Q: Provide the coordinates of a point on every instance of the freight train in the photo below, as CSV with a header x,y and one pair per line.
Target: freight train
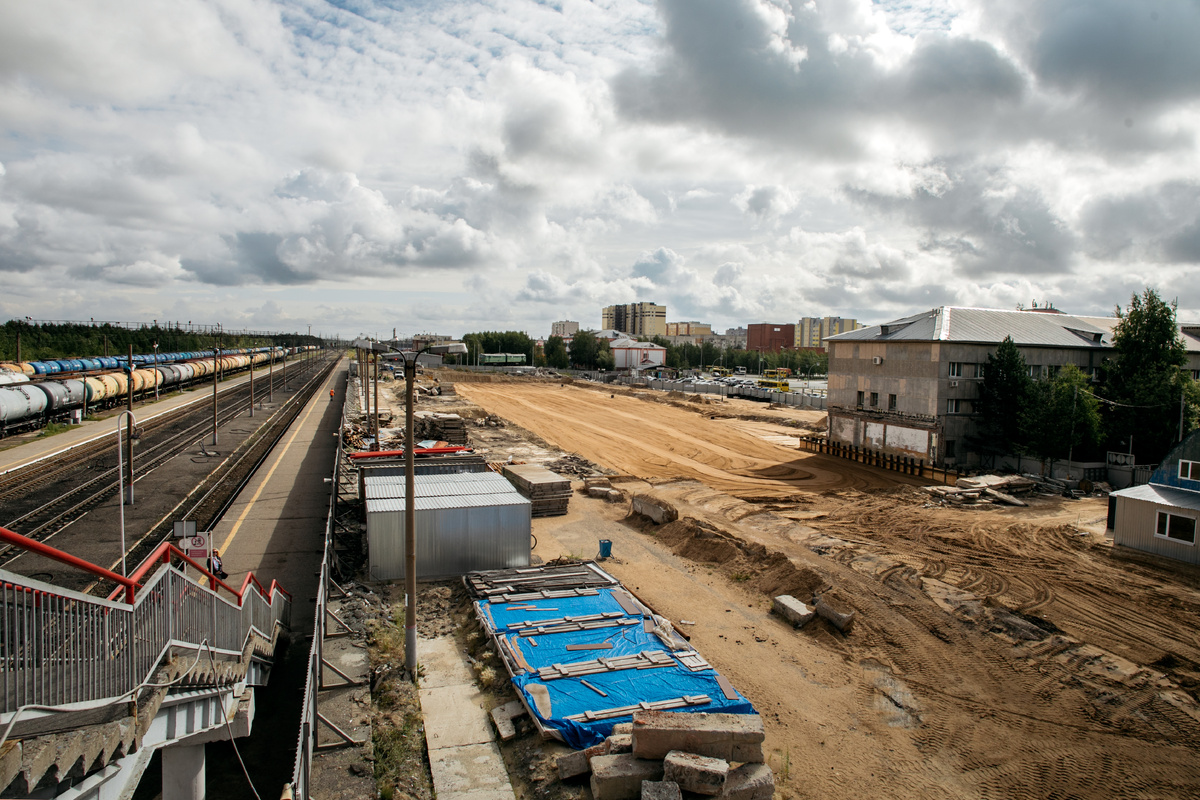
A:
x,y
33,393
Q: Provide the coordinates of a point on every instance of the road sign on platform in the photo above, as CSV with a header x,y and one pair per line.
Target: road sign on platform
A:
x,y
196,547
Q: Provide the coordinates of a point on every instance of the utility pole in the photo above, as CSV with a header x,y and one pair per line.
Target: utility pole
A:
x,y
216,362
271,375
19,347
128,499
252,355
376,445
1181,407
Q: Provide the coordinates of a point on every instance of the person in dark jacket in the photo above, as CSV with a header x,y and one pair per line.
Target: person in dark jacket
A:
x,y
216,566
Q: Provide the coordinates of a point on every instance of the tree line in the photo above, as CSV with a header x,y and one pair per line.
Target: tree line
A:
x,y
1143,400
41,342
587,351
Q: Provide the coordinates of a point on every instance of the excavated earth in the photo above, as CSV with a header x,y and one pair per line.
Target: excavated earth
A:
x,y
997,652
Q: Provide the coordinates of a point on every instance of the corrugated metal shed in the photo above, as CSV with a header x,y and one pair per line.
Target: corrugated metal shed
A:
x,y
463,524
1137,520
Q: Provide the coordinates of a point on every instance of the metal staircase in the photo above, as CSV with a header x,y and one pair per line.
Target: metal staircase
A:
x,y
91,687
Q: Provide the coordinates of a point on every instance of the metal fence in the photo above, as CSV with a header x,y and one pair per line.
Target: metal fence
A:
x,y
59,647
310,713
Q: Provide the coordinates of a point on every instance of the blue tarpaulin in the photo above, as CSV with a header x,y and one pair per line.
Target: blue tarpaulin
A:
x,y
541,630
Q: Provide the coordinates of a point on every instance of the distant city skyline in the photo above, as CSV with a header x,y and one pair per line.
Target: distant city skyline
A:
x,y
464,166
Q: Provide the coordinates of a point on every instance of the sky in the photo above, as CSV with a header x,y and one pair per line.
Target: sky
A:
x,y
443,166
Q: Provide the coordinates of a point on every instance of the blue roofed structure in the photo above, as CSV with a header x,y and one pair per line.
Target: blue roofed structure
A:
x,y
1162,516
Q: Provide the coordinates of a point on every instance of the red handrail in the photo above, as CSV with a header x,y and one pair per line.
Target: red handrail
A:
x,y
417,451
128,585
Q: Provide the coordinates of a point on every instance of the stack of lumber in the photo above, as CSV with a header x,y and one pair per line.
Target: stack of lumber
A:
x,y
550,493
443,427
448,390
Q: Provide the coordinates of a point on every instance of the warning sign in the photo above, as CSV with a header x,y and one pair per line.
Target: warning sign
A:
x,y
196,547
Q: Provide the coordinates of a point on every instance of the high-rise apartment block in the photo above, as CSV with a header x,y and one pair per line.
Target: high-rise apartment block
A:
x,y
813,331
566,328
636,319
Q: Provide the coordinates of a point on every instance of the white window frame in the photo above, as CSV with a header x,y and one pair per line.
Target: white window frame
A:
x,y
1189,470
956,369
1158,519
953,405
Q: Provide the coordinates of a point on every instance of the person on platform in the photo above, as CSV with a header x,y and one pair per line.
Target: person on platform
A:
x,y
216,566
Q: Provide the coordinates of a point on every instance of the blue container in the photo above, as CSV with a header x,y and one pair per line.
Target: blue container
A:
x,y
606,548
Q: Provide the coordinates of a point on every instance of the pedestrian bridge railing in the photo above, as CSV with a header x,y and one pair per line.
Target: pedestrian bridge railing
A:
x,y
63,650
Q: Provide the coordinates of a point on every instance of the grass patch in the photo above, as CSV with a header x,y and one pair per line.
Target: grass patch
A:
x,y
54,428
739,577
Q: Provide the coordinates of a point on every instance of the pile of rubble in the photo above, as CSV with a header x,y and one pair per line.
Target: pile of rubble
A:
x,y
490,421
549,492
442,427
984,489
571,464
662,754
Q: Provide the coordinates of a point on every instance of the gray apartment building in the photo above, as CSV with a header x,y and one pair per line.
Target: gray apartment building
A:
x,y
908,387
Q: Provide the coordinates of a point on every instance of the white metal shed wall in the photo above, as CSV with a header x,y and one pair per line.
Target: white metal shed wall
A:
x,y
1137,520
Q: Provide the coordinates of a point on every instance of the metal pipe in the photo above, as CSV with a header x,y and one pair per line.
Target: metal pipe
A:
x,y
376,445
121,479
252,382
128,443
216,359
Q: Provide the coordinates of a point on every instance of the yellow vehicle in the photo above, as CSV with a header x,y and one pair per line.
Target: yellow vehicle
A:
x,y
777,374
772,383
719,372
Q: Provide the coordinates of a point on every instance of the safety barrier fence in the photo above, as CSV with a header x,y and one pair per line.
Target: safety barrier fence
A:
x,y
310,713
61,648
877,458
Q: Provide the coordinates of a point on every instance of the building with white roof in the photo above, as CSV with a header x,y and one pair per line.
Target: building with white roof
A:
x,y
628,354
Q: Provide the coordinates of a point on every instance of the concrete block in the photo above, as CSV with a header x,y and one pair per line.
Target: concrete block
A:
x,y
622,727
661,790
693,773
656,733
615,496
503,716
792,610
749,782
598,491
620,777
747,751
620,743
578,763
839,614
659,511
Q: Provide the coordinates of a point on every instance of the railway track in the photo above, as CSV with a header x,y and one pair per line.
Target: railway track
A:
x,y
44,499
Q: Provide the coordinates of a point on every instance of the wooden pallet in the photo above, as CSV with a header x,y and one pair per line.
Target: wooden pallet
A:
x,y
648,659
623,711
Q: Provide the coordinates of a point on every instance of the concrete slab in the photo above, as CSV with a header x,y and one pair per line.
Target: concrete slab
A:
x,y
443,663
470,771
454,717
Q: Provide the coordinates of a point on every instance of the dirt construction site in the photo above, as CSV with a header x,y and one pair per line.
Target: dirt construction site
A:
x,y
996,651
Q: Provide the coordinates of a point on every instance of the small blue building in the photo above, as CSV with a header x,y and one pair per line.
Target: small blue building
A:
x,y
1162,516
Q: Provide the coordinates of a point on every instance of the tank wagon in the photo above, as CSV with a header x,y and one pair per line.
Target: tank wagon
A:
x,y
33,393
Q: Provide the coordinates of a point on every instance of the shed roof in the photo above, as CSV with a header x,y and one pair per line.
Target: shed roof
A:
x,y
1163,495
991,325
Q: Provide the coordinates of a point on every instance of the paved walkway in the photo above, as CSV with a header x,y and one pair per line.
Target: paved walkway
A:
x,y
463,755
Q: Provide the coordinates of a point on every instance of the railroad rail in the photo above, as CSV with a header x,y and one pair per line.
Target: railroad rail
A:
x,y
93,472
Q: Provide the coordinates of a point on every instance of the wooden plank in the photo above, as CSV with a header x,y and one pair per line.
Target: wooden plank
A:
x,y
595,646
595,689
726,688
626,601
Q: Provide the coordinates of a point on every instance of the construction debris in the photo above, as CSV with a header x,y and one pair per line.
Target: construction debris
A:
x,y
550,493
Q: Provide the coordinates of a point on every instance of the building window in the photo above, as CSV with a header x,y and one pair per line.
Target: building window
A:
x,y
1189,470
1177,527
948,452
1035,371
979,368
891,402
1196,374
954,406
874,399
956,369
860,399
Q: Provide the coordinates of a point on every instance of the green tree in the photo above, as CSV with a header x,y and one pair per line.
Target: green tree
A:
x,y
584,349
556,353
1003,394
1061,416
1146,380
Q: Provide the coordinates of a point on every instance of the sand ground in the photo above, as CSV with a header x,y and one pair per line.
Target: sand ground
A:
x,y
996,652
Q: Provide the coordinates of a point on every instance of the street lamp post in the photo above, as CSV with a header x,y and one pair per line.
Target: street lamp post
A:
x,y
158,379
410,491
122,499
